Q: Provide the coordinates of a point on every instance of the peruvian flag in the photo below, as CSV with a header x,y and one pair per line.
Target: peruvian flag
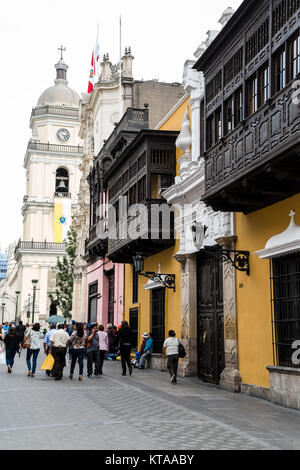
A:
x,y
92,75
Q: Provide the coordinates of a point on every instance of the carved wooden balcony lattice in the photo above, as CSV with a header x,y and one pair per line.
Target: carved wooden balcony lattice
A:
x,y
271,135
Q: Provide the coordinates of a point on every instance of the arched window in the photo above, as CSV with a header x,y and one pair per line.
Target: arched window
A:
x,y
53,309
62,181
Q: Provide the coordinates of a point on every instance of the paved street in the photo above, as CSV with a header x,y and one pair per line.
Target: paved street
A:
x,y
140,412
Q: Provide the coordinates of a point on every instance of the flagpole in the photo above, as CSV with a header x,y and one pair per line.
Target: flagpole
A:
x,y
97,53
120,84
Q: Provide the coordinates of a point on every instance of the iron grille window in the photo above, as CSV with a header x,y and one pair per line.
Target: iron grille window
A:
x,y
283,12
285,284
158,319
257,41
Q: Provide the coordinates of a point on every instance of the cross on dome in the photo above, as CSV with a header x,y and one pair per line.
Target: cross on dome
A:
x,y
292,213
61,49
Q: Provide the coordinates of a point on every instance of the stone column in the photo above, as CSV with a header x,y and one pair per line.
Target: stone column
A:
x,y
230,377
188,365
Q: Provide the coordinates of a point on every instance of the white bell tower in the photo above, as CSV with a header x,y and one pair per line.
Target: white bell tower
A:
x,y
52,160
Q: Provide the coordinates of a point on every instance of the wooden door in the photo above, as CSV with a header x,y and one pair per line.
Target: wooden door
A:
x,y
210,318
158,318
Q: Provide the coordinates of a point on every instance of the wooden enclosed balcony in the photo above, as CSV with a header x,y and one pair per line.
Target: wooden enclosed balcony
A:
x,y
258,163
149,231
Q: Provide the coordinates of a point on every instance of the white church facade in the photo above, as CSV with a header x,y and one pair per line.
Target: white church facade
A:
x,y
52,163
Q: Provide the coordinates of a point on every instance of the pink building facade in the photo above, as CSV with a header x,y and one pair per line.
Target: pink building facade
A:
x,y
105,287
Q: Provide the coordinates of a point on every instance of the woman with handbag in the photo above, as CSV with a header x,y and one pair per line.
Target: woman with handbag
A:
x,y
78,341
33,348
12,345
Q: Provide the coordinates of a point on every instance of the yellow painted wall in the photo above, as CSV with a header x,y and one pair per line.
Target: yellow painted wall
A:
x,y
253,298
168,266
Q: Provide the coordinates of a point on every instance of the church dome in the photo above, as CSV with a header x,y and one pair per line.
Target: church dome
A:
x,y
60,94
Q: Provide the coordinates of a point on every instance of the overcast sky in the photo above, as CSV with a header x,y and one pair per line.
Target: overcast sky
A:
x,y
162,35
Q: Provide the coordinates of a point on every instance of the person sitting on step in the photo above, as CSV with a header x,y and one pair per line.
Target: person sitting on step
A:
x,y
147,351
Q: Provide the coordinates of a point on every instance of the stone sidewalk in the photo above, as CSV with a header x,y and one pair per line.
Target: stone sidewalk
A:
x,y
143,411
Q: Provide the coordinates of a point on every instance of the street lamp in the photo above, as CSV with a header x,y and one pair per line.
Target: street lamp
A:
x,y
167,280
17,299
3,305
34,283
28,309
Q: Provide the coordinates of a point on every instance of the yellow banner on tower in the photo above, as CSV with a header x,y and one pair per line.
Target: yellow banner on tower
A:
x,y
62,219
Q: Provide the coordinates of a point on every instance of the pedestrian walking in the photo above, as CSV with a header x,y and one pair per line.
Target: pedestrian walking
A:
x,y
170,349
12,345
71,329
86,329
103,345
58,348
47,344
20,329
34,337
148,350
93,351
78,342
125,336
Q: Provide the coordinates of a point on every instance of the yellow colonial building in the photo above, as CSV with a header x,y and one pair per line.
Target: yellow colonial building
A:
x,y
251,129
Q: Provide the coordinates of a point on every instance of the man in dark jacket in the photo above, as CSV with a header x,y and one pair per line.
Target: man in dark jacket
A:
x,y
20,330
125,335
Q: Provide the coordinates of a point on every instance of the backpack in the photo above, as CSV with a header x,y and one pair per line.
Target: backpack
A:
x,y
181,350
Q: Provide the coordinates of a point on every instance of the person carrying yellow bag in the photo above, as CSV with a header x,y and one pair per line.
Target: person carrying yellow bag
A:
x,y
48,363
